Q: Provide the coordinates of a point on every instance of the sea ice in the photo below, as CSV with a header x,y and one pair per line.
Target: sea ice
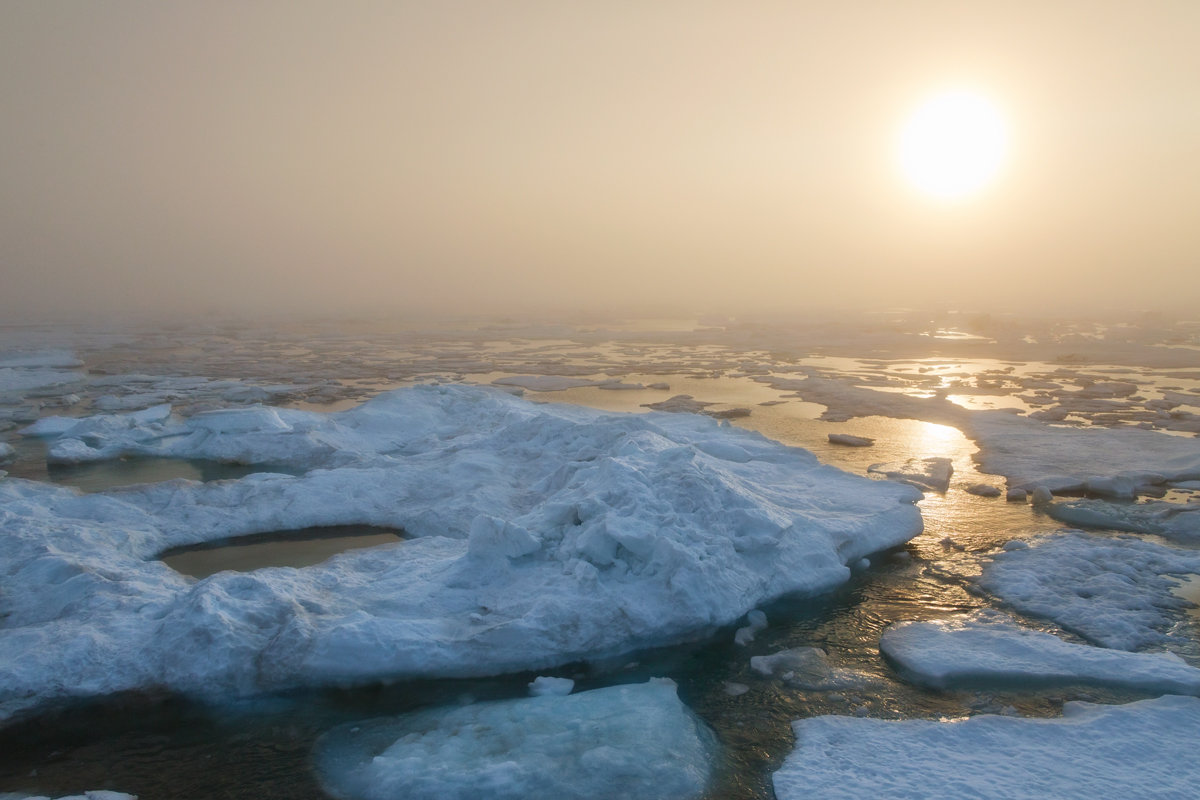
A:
x,y
544,685
850,440
1171,520
540,534
805,668
924,473
1138,750
1112,591
543,383
991,649
1031,454
634,741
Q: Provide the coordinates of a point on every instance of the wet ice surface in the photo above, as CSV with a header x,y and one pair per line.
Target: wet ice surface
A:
x,y
922,389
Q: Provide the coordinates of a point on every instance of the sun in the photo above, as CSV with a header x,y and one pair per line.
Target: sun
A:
x,y
953,145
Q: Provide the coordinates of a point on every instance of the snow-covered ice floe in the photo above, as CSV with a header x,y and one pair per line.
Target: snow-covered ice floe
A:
x,y
1108,461
630,742
541,534
1112,591
1144,750
990,649
1171,520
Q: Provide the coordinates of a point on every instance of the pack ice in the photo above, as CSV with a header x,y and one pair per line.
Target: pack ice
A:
x,y
1091,751
541,534
622,742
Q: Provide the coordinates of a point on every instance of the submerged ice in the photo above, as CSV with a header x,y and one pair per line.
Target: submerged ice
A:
x,y
622,742
541,534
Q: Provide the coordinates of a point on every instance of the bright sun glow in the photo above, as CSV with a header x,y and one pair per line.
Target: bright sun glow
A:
x,y
953,144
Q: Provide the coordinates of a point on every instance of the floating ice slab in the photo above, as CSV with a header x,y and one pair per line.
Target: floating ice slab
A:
x,y
991,649
924,473
850,440
1143,750
627,742
1112,591
541,534
1172,520
1032,454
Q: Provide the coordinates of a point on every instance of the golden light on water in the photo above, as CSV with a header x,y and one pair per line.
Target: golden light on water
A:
x,y
954,144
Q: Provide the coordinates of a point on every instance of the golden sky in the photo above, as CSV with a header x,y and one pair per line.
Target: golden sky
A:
x,y
604,155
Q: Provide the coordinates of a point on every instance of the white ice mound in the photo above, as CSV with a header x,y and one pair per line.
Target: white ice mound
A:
x,y
991,649
636,741
1144,750
541,534
1112,591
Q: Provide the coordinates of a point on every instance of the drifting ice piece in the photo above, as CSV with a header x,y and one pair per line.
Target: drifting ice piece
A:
x,y
924,473
992,649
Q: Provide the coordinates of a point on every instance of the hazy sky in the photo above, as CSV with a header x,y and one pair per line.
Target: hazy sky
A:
x,y
489,155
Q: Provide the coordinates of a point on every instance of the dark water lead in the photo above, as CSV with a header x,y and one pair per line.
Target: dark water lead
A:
x,y
295,548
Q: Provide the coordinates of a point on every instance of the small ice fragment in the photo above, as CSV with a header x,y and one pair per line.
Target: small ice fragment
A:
x,y
1042,496
735,689
850,440
544,685
983,490
1016,496
756,620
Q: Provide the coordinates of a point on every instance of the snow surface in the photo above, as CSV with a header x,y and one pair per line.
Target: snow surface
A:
x,y
1112,591
635,741
1144,750
541,534
991,648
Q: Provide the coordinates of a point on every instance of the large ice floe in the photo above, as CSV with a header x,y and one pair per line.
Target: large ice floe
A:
x,y
1137,750
1112,591
622,742
990,649
540,534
